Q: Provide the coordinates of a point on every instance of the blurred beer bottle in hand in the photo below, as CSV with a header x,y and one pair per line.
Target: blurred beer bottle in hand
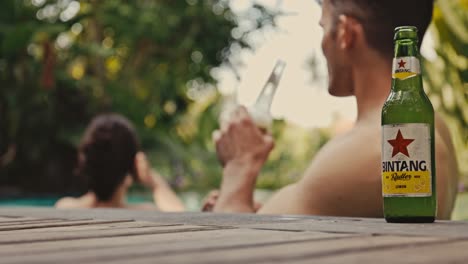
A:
x,y
260,110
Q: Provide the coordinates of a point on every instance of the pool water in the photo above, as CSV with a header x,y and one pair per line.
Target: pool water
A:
x,y
192,200
50,201
45,201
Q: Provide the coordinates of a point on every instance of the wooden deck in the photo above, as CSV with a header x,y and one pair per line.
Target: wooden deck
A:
x,y
40,235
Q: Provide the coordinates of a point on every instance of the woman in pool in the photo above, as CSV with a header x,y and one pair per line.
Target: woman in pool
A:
x,y
109,156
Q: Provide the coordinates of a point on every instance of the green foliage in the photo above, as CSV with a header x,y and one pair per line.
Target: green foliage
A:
x,y
447,76
63,61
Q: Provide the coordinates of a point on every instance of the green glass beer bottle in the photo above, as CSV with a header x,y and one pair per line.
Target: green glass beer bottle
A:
x,y
408,165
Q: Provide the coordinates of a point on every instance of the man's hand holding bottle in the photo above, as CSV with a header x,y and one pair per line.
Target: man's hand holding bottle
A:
x,y
243,144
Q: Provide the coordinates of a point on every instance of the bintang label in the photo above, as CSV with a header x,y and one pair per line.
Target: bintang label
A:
x,y
405,67
406,160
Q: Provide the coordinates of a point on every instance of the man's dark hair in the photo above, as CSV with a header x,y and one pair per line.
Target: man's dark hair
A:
x,y
380,17
108,148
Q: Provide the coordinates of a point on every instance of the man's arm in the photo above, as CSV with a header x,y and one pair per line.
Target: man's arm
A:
x,y
242,149
164,197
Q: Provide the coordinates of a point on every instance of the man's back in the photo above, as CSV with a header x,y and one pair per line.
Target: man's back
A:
x,y
446,169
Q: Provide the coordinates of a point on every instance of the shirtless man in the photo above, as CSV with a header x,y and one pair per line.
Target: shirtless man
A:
x,y
344,179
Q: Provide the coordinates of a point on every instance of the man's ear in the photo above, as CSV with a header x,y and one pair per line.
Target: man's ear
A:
x,y
349,32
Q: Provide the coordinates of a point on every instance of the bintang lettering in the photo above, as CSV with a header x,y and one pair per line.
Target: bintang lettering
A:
x,y
403,165
402,70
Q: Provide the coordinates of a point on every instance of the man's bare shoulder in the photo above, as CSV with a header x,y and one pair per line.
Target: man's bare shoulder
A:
x,y
360,143
444,144
443,131
446,169
344,177
85,201
70,202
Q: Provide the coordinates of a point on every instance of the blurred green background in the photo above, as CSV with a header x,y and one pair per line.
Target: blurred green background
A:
x,y
63,61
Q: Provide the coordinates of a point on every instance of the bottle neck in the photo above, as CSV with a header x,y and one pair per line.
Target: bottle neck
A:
x,y
406,70
265,98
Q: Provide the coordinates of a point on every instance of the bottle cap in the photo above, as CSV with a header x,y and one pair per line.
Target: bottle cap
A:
x,y
406,32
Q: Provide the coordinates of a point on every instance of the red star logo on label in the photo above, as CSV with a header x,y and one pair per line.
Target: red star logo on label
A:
x,y
401,63
400,144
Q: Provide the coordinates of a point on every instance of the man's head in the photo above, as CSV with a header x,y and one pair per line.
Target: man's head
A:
x,y
352,27
107,153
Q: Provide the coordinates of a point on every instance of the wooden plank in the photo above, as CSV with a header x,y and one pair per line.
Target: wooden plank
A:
x,y
29,237
32,221
9,218
110,242
278,253
62,223
18,219
93,225
55,222
155,245
454,252
453,229
231,237
192,218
